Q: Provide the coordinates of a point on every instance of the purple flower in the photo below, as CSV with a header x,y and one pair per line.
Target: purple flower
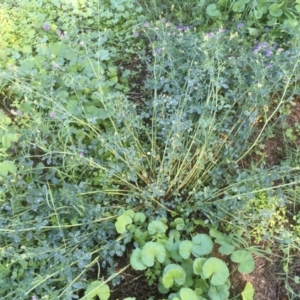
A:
x,y
268,66
81,154
240,25
33,298
52,114
268,52
136,33
46,27
147,24
168,24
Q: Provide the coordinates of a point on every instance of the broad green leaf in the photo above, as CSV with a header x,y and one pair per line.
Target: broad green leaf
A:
x,y
222,239
8,138
97,288
157,226
203,244
248,292
129,298
139,217
213,11
245,259
238,6
173,249
153,250
220,292
104,54
187,294
6,167
201,286
173,274
122,222
275,10
198,265
215,269
185,248
179,222
140,237
136,260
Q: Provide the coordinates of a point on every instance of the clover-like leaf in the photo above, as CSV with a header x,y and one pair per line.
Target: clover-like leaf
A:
x,y
203,244
198,265
245,259
153,250
248,292
136,260
215,269
157,226
238,6
97,288
185,248
122,222
213,11
187,294
173,274
275,10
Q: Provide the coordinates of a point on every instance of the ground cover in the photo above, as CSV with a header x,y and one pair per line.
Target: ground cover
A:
x,y
148,152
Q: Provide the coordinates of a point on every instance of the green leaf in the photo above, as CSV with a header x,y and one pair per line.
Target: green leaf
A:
x,y
104,54
203,244
238,6
122,222
187,294
198,265
248,292
139,217
97,288
185,248
275,10
140,237
136,260
212,10
153,250
8,138
220,292
157,226
179,222
6,167
225,242
245,259
215,269
173,274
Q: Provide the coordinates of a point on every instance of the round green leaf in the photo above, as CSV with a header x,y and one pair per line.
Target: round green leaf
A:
x,y
97,288
179,224
220,292
153,250
215,269
198,265
248,292
238,6
275,10
157,226
122,222
139,217
185,249
173,274
245,259
213,11
136,261
203,244
187,294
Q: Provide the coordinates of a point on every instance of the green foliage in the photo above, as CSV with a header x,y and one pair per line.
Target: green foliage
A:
x,y
172,262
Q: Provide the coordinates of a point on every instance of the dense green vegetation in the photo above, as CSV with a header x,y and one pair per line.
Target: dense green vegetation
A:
x,y
135,136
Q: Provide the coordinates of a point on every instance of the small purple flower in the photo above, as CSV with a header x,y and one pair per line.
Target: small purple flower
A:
x,y
268,66
168,24
136,33
240,25
54,66
147,24
46,27
33,298
81,154
52,114
268,52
